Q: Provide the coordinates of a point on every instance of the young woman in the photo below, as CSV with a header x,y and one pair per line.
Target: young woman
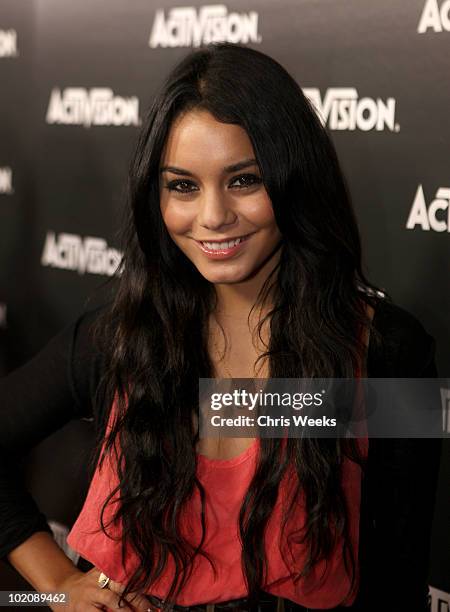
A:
x,y
241,259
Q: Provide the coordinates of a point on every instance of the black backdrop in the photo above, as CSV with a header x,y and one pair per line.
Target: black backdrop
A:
x,y
75,79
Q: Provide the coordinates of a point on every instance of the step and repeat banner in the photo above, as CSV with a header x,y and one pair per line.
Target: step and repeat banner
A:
x,y
76,78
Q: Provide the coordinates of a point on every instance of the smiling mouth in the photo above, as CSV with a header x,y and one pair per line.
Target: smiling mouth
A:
x,y
215,245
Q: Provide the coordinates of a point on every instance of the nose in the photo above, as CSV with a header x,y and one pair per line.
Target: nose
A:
x,y
214,211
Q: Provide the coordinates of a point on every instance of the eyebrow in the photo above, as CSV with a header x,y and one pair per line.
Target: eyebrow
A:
x,y
245,163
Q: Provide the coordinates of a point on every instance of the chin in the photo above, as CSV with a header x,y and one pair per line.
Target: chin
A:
x,y
224,279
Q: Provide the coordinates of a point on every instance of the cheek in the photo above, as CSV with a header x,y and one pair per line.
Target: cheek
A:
x,y
178,219
260,212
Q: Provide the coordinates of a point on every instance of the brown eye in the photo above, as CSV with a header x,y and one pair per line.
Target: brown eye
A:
x,y
180,186
247,180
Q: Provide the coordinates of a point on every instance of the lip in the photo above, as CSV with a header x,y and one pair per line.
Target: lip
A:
x,y
223,253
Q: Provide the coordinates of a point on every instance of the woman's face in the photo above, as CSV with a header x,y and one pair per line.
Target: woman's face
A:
x,y
213,201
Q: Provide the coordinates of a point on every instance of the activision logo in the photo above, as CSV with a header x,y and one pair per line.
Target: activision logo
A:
x,y
72,252
427,218
6,186
433,17
8,43
185,27
440,600
340,109
97,106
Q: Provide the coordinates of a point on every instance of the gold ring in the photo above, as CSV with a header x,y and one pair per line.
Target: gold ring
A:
x,y
103,580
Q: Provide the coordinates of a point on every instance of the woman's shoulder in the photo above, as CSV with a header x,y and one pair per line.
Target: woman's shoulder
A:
x,y
400,346
390,318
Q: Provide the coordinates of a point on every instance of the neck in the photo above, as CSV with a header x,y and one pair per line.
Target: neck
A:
x,y
235,300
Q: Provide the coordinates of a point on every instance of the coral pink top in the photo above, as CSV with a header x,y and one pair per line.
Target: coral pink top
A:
x,y
225,482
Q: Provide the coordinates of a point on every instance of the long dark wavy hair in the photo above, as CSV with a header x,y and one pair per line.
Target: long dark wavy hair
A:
x,y
155,331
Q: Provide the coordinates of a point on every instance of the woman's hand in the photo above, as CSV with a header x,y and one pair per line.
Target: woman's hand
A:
x,y
85,595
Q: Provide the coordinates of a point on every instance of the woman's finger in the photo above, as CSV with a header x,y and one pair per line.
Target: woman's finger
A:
x,y
110,600
136,601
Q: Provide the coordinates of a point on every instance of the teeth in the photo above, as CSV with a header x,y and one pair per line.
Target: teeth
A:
x,y
220,246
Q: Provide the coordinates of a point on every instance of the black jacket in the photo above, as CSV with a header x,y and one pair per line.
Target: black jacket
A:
x,y
398,492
